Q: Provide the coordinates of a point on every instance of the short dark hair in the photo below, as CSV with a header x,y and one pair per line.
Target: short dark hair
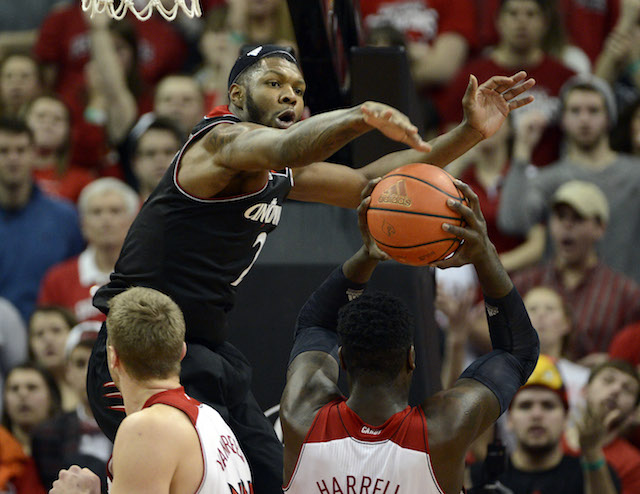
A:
x,y
622,366
15,126
160,123
376,332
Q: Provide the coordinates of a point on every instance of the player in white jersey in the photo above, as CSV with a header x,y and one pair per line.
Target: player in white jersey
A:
x,y
373,441
168,442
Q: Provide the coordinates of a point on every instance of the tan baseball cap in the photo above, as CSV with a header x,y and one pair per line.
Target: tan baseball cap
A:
x,y
586,198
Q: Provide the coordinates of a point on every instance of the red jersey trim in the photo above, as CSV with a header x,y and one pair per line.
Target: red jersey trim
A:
x,y
176,398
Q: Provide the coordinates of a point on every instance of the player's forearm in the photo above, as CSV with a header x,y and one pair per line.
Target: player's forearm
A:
x,y
318,137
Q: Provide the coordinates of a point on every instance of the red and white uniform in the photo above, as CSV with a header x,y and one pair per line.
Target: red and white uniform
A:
x,y
72,284
341,453
226,470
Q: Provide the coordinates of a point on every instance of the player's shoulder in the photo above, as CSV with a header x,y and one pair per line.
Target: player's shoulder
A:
x,y
152,423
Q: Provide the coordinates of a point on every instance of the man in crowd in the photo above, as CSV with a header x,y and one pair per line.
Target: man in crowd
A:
x,y
374,439
36,231
579,218
588,112
107,207
537,418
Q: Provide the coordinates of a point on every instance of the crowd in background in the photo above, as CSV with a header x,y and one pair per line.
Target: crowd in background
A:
x,y
92,112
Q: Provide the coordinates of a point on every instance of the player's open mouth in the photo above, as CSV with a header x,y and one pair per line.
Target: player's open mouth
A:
x,y
285,119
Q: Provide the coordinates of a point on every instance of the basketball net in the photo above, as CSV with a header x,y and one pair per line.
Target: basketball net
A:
x,y
100,6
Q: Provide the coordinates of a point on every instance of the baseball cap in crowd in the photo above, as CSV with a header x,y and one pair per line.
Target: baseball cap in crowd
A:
x,y
626,345
546,375
255,54
85,332
586,198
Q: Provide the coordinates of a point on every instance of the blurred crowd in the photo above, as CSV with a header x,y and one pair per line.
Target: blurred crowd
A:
x,y
92,112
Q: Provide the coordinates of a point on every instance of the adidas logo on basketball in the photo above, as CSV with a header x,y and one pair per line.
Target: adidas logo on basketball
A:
x,y
396,194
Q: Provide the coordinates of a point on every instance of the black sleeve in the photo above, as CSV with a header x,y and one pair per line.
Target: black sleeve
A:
x,y
318,318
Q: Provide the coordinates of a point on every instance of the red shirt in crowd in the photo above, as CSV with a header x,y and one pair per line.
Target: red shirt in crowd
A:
x,y
72,284
625,460
550,74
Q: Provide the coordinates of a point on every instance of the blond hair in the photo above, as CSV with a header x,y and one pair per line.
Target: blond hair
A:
x,y
146,328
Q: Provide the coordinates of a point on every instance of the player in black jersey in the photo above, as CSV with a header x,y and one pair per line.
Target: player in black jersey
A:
x,y
201,230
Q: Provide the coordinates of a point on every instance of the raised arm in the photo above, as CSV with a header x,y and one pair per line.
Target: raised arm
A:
x,y
312,375
459,415
485,109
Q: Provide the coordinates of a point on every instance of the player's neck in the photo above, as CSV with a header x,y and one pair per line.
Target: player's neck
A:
x,y
136,393
528,461
375,403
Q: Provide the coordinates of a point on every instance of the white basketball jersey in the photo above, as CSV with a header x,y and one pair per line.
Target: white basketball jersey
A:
x,y
226,470
343,454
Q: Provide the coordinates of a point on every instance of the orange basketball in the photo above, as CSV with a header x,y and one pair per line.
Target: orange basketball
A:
x,y
407,210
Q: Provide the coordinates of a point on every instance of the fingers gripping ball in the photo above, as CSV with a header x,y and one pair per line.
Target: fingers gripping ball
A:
x,y
407,210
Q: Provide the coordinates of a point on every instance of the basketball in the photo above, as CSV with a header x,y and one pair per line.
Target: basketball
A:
x,y
407,210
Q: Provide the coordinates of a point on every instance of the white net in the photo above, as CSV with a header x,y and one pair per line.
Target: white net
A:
x,y
118,9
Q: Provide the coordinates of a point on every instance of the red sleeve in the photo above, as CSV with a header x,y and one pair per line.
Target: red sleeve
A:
x,y
457,16
47,294
626,344
48,47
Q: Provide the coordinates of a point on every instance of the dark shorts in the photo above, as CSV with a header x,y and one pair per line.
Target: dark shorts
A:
x,y
221,379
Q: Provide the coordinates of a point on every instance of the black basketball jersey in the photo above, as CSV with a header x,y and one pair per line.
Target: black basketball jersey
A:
x,y
197,250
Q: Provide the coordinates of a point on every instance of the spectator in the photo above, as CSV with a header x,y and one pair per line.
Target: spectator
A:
x,y
31,396
13,343
154,150
522,25
619,61
49,328
486,165
599,16
73,438
179,97
537,417
36,231
50,122
219,47
613,393
107,208
63,45
602,300
20,82
552,318
588,113
626,345
262,22
17,470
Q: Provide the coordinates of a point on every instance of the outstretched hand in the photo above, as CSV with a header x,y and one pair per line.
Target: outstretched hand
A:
x,y
393,124
476,245
486,106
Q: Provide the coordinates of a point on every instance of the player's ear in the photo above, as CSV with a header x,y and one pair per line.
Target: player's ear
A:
x,y
183,352
411,358
237,95
113,360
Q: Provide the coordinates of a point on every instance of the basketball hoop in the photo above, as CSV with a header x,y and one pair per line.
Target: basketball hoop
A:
x,y
190,7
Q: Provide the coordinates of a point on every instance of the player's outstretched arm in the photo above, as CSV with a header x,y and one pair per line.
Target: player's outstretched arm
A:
x,y
459,415
312,375
485,109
